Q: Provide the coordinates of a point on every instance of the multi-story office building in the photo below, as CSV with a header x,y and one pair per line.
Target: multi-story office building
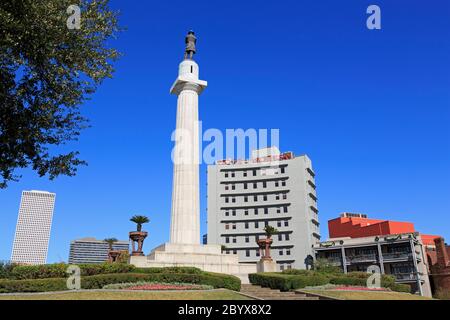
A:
x,y
91,250
272,189
33,227
357,242
401,255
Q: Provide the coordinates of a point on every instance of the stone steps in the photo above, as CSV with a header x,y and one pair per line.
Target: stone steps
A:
x,y
272,294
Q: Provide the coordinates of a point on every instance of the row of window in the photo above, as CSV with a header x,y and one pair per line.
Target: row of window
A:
x,y
254,172
264,197
281,252
256,211
276,184
256,238
280,223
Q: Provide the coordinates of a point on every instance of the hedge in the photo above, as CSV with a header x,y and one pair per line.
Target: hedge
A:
x,y
99,281
58,270
286,281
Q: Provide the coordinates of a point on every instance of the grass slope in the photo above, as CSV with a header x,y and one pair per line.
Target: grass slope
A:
x,y
366,295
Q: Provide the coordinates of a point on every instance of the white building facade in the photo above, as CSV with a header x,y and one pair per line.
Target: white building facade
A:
x,y
33,227
269,189
91,250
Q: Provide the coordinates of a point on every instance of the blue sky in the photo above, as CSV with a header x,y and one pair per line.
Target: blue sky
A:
x,y
370,108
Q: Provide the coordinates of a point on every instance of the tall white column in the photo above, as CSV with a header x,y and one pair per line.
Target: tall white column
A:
x,y
185,215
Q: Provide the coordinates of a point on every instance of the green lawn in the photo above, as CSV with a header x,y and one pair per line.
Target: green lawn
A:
x,y
366,295
137,295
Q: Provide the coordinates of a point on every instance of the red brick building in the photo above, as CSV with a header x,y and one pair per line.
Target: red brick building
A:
x,y
438,259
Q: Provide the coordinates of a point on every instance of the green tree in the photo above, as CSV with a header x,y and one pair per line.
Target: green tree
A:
x,y
324,266
139,220
270,231
110,242
47,71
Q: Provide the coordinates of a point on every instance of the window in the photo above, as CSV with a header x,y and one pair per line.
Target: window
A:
x,y
234,251
246,225
277,184
280,252
227,213
254,172
226,174
281,267
234,240
283,183
257,252
227,240
285,209
266,210
233,199
277,197
279,224
264,184
233,187
255,198
278,210
265,198
226,187
286,223
255,185
286,236
226,200
227,226
247,253
245,185
234,226
256,211
282,169
192,69
245,199
247,239
280,237
266,223
256,224
246,212
232,175
288,253
284,196
234,213
245,174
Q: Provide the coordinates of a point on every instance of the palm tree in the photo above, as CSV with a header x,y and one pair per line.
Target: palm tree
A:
x,y
139,220
110,242
270,231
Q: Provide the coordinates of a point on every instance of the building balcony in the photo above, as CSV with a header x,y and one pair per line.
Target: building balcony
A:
x,y
362,258
398,256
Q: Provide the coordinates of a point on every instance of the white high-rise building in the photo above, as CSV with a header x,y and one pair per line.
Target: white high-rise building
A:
x,y
33,227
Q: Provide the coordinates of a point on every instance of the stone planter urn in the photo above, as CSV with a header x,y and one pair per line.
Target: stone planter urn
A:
x,y
264,248
113,255
137,237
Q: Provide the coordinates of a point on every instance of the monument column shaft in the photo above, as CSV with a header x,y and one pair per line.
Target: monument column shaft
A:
x,y
185,224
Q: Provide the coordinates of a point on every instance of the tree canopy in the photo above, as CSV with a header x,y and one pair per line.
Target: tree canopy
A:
x,y
47,71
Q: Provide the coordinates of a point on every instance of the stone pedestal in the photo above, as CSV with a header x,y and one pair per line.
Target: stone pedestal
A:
x,y
205,257
266,265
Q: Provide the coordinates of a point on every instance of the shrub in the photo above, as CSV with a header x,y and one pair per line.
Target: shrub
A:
x,y
99,281
6,269
286,282
322,265
58,270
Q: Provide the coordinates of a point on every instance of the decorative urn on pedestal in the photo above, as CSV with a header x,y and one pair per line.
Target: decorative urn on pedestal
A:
x,y
138,236
266,263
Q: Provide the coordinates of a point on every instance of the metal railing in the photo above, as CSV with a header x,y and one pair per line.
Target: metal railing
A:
x,y
362,258
405,276
397,256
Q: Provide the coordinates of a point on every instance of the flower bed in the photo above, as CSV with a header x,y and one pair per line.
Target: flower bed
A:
x,y
157,286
